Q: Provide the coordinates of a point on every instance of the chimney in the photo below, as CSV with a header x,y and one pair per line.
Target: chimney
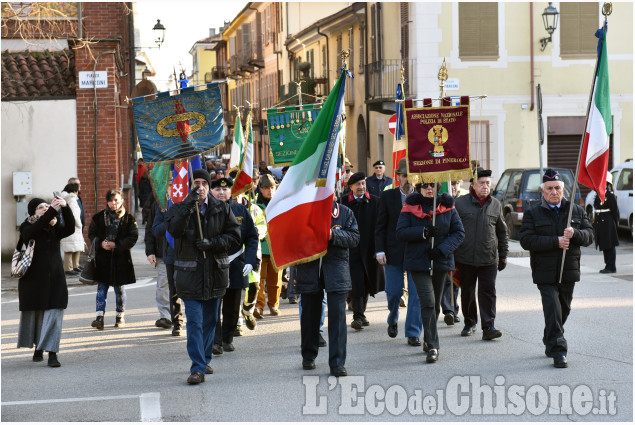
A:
x,y
212,32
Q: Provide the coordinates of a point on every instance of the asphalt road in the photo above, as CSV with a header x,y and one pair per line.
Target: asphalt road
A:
x,y
138,373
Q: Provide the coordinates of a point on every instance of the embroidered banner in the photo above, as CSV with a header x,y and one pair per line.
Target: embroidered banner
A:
x,y
288,127
171,127
438,143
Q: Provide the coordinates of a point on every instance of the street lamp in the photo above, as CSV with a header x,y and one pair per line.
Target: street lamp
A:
x,y
146,73
159,33
550,20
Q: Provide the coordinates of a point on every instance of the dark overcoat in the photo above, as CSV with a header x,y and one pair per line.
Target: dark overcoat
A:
x,y
386,241
605,224
43,287
375,186
367,274
114,267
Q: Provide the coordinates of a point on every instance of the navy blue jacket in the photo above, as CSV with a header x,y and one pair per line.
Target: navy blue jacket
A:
x,y
415,216
248,238
159,228
375,186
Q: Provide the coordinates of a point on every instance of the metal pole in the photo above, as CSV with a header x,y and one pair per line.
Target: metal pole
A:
x,y
434,216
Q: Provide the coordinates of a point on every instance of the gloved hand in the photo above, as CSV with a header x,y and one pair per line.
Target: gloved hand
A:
x,y
430,232
247,269
435,254
204,244
192,197
502,263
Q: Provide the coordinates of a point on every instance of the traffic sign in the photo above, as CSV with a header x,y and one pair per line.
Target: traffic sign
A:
x,y
392,124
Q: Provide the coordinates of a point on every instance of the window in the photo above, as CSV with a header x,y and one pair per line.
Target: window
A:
x,y
403,6
268,25
625,181
578,22
362,36
351,49
478,31
376,36
480,143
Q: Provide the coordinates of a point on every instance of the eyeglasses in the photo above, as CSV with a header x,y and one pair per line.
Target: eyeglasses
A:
x,y
427,185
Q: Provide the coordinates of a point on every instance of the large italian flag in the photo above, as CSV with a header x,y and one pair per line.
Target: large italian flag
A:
x,y
594,157
237,146
299,214
244,178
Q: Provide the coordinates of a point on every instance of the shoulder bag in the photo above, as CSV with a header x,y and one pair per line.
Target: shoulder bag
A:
x,y
22,258
90,268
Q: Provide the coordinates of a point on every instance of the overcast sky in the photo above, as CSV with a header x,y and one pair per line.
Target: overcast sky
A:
x,y
185,23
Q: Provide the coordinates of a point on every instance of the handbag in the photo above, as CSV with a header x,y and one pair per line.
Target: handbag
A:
x,y
90,268
22,258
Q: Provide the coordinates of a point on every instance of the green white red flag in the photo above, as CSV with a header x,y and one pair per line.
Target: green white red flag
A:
x,y
299,214
237,145
594,157
244,179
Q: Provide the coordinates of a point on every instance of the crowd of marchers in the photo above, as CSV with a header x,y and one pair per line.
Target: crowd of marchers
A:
x,y
432,253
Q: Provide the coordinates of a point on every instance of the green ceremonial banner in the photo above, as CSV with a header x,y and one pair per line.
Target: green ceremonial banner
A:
x,y
160,178
288,127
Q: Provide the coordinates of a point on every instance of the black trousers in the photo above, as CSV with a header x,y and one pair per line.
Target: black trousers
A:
x,y
310,325
610,256
486,276
359,306
556,306
230,310
429,289
446,299
175,302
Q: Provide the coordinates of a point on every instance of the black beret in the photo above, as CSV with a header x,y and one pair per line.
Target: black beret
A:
x,y
33,204
355,177
551,175
224,182
380,162
201,173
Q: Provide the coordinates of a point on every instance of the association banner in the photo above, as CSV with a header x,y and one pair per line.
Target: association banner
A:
x,y
438,143
288,127
178,125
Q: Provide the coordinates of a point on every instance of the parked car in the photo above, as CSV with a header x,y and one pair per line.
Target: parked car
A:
x,y
519,188
623,186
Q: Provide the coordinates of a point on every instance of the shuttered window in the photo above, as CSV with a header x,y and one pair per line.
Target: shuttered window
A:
x,y
578,22
405,53
268,25
351,49
478,31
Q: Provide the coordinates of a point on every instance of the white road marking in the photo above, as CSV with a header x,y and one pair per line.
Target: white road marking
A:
x,y
149,403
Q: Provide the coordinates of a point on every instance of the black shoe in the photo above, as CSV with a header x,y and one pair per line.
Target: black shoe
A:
x,y
53,362
72,273
283,293
560,361
457,319
228,346
293,300
98,322
339,371
322,342
217,349
120,322
393,330
38,355
426,347
491,333
606,270
308,364
163,323
433,356
176,331
468,330
365,322
414,341
356,324
79,269
449,319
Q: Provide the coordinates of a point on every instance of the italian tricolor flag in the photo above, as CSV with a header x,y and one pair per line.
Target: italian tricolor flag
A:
x,y
594,157
244,178
299,214
237,145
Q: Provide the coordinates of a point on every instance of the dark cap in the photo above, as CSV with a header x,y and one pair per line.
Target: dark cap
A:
x,y
402,168
480,172
33,204
355,177
267,180
380,162
224,182
551,175
201,173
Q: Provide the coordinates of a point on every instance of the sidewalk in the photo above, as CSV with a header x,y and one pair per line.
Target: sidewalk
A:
x,y
144,269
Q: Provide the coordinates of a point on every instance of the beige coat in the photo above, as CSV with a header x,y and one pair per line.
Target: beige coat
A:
x,y
75,242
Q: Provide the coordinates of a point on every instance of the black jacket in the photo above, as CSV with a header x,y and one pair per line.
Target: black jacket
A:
x,y
415,216
605,224
43,287
335,265
114,267
154,244
386,241
249,240
199,278
539,234
375,186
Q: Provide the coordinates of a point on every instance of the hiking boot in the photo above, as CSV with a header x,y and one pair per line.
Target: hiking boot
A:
x,y
120,322
53,362
98,322
250,322
176,331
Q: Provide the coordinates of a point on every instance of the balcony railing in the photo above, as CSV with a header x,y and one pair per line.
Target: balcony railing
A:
x,y
219,73
383,76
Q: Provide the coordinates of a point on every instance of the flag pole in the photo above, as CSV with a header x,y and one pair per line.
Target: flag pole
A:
x,y
605,12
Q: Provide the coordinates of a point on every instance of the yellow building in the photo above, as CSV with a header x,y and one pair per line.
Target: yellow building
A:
x,y
204,58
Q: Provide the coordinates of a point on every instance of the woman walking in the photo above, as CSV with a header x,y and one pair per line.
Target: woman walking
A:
x,y
42,291
415,228
73,245
607,215
114,232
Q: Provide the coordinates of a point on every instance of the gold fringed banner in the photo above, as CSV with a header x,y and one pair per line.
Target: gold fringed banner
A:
x,y
438,143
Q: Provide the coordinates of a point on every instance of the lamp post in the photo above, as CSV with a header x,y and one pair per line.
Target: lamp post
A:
x,y
550,20
159,33
146,73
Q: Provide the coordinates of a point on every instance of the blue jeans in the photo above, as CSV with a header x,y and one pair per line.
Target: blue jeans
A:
x,y
102,294
201,325
394,291
446,299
